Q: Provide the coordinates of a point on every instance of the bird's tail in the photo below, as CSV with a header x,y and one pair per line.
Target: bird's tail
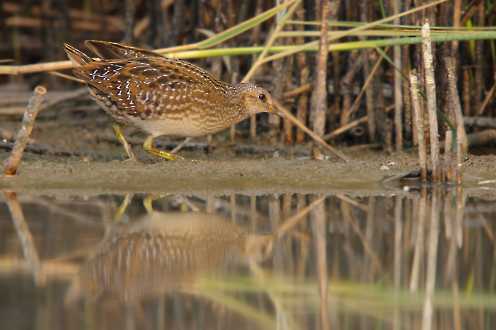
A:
x,y
77,57
112,50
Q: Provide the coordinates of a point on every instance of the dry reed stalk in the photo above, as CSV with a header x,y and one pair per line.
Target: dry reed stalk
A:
x,y
347,85
287,135
273,36
216,69
467,108
350,125
410,132
383,124
478,89
319,95
488,98
11,105
480,121
449,159
255,32
281,20
25,237
12,163
233,18
295,92
34,68
255,38
36,23
398,98
66,76
419,125
287,114
16,8
457,14
301,59
369,91
129,19
387,130
277,92
179,18
430,87
482,137
461,135
356,102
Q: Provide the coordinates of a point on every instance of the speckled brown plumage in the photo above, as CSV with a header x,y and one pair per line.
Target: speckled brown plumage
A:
x,y
164,252
163,96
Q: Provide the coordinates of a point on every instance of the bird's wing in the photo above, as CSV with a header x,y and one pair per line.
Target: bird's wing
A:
x,y
151,87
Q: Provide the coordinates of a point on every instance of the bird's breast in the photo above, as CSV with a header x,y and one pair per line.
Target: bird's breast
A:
x,y
182,127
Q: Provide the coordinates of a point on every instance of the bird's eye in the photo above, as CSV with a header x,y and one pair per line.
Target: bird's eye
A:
x,y
262,97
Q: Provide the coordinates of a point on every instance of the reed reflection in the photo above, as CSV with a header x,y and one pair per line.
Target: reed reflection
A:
x,y
423,260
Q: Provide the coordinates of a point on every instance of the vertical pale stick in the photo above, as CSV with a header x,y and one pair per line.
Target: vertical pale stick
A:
x,y
419,125
398,97
22,137
430,87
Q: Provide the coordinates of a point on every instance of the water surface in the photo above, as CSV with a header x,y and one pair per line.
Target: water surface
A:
x,y
424,260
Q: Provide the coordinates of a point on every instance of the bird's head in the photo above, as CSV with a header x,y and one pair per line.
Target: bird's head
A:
x,y
255,99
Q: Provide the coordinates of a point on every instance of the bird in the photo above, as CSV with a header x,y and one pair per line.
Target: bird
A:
x,y
163,252
162,96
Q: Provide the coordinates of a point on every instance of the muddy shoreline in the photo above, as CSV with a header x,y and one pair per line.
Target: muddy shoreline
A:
x,y
368,174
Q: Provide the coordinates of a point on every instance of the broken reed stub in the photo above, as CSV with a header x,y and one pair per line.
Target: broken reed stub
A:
x,y
22,137
418,123
430,91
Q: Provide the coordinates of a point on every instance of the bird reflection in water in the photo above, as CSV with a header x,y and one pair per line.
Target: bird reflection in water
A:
x,y
163,253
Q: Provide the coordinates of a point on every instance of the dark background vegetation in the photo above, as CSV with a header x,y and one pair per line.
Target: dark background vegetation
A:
x,y
34,31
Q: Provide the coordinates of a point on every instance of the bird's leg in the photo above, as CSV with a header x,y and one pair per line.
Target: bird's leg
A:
x,y
119,214
122,139
148,146
148,203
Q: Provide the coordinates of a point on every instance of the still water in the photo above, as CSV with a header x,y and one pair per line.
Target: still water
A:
x,y
290,261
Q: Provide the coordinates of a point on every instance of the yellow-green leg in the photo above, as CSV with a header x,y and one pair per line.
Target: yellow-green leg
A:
x,y
148,203
148,146
122,140
123,207
186,205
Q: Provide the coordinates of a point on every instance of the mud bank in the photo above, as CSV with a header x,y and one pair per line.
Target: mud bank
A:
x,y
367,174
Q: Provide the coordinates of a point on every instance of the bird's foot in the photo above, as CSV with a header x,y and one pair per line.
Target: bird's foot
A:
x,y
148,146
164,154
